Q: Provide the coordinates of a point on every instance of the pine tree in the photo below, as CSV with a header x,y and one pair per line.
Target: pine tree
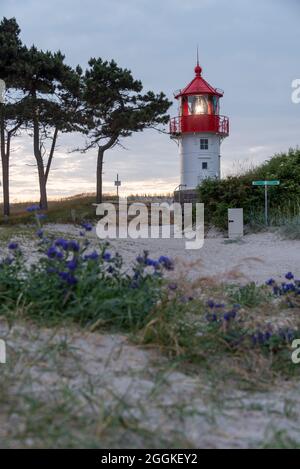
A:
x,y
115,107
10,109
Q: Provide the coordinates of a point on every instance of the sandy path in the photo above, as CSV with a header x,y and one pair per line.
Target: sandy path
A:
x,y
257,256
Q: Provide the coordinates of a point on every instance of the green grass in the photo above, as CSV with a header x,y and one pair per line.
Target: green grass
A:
x,y
68,210
280,440
291,228
182,332
250,295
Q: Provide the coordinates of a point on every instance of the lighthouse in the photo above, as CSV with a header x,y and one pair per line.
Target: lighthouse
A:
x,y
199,130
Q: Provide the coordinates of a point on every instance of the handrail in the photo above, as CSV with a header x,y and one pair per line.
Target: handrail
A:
x,y
200,123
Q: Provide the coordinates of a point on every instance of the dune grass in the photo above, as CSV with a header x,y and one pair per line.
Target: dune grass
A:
x,y
68,210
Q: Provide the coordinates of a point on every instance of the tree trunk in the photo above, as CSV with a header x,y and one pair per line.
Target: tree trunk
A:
x,y
5,183
99,171
51,154
42,183
39,161
5,149
99,175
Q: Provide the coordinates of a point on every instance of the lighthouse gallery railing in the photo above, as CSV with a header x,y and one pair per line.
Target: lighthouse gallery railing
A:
x,y
200,123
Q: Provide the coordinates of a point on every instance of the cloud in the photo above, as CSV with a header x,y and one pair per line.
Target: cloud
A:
x,y
249,51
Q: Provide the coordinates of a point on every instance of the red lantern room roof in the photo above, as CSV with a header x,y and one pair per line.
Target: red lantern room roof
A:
x,y
198,86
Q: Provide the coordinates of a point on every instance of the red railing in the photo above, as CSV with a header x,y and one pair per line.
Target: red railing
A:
x,y
200,123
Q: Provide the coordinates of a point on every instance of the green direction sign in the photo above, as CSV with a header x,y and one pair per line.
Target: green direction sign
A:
x,y
265,183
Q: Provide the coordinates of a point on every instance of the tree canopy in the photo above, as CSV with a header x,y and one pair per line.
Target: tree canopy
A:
x,y
104,103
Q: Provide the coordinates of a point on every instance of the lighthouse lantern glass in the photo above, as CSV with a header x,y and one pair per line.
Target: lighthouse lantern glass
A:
x,y
197,104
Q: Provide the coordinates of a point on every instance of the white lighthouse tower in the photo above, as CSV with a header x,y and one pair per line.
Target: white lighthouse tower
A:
x,y
199,130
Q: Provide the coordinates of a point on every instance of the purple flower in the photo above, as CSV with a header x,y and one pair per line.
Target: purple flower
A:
x,y
172,286
210,303
62,243
72,264
33,208
268,336
40,233
93,256
41,216
287,287
13,246
270,282
68,277
53,253
106,256
289,276
166,262
211,317
150,262
64,275
72,280
87,226
73,246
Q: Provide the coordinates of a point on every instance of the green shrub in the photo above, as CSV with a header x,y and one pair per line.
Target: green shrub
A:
x,y
238,192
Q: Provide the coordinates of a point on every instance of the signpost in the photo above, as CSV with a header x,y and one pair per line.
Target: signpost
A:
x,y
117,184
266,184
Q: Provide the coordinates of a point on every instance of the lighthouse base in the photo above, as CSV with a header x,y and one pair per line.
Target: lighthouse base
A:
x,y
186,196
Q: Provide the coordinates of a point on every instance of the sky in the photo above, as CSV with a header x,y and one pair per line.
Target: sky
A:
x,y
248,48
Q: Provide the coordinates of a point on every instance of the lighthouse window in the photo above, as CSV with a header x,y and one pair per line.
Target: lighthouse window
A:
x,y
203,143
204,165
197,104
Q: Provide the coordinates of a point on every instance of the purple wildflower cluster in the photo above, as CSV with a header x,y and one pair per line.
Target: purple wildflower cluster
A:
x,y
33,208
13,246
163,262
290,290
263,336
14,254
87,226
285,287
71,257
219,313
282,335
144,261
